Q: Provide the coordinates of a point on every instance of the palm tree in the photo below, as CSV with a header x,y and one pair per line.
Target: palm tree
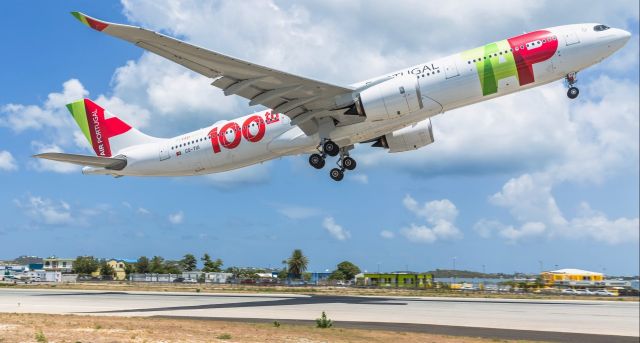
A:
x,y
297,263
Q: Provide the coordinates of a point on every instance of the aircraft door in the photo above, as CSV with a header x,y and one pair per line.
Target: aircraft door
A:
x,y
450,68
571,38
164,153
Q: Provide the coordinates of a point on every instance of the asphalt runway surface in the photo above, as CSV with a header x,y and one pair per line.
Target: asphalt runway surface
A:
x,y
551,320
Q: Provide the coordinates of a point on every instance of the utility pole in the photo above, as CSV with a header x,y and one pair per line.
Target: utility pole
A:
x,y
454,269
541,266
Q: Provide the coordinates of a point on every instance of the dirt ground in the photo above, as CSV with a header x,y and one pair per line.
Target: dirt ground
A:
x,y
15,327
324,290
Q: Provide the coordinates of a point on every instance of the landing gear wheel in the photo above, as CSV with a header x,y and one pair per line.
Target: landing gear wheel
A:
x,y
330,148
573,92
336,174
349,163
316,161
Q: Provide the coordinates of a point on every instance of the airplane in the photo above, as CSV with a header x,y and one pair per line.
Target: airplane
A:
x,y
306,116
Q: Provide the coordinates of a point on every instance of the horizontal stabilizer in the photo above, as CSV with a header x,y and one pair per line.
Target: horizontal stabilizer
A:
x,y
113,163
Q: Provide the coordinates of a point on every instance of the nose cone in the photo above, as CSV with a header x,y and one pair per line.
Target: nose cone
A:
x,y
623,36
617,39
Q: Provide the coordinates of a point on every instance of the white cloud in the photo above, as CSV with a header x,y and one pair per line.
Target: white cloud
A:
x,y
335,230
7,162
596,225
143,211
46,211
439,214
419,233
432,211
176,218
386,234
298,212
178,98
486,228
360,178
52,114
530,201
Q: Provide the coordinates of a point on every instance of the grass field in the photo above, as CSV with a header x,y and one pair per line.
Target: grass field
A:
x,y
329,290
71,328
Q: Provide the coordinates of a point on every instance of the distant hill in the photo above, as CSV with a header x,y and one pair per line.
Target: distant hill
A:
x,y
27,260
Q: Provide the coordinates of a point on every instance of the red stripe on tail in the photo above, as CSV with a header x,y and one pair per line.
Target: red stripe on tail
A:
x,y
102,129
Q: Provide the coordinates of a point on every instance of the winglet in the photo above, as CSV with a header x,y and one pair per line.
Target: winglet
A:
x,y
91,22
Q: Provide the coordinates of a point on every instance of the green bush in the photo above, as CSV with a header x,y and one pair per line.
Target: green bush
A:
x,y
40,337
323,322
276,323
224,336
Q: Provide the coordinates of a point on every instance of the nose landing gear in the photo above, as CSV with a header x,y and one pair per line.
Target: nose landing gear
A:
x,y
570,80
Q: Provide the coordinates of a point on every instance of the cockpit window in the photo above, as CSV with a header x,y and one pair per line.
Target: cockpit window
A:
x,y
600,27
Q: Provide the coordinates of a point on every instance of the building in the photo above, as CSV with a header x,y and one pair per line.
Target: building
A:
x,y
395,279
119,267
192,275
57,264
572,277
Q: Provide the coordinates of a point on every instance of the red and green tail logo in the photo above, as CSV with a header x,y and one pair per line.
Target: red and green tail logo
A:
x,y
95,126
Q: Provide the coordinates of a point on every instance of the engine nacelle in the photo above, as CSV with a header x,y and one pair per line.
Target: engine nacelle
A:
x,y
390,99
409,138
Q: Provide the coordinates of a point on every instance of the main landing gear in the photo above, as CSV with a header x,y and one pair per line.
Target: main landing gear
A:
x,y
330,148
571,79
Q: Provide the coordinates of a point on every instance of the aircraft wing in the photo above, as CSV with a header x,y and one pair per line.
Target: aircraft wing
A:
x,y
113,163
298,97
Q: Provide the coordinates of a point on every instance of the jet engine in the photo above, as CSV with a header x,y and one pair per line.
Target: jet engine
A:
x,y
390,99
408,138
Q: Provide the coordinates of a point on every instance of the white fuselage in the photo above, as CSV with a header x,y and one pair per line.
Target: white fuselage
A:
x,y
446,83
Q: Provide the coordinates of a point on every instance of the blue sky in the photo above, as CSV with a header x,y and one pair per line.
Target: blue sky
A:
x,y
508,183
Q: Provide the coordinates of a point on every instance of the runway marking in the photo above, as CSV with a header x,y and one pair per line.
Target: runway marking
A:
x,y
447,330
278,302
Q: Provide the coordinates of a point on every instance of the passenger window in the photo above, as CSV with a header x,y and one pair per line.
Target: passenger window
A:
x,y
401,90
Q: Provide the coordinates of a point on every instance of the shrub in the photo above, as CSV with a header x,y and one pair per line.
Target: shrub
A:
x,y
276,323
224,336
40,337
323,322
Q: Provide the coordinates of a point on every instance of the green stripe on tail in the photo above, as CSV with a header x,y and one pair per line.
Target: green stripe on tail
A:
x,y
79,113
81,18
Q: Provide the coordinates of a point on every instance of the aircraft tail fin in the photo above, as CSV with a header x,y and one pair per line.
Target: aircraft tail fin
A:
x,y
106,133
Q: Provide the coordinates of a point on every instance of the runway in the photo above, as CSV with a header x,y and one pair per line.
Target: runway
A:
x,y
558,320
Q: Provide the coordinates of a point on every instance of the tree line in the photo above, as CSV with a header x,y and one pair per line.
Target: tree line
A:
x,y
293,267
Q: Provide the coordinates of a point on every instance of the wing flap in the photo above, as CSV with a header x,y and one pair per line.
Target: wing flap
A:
x,y
113,163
